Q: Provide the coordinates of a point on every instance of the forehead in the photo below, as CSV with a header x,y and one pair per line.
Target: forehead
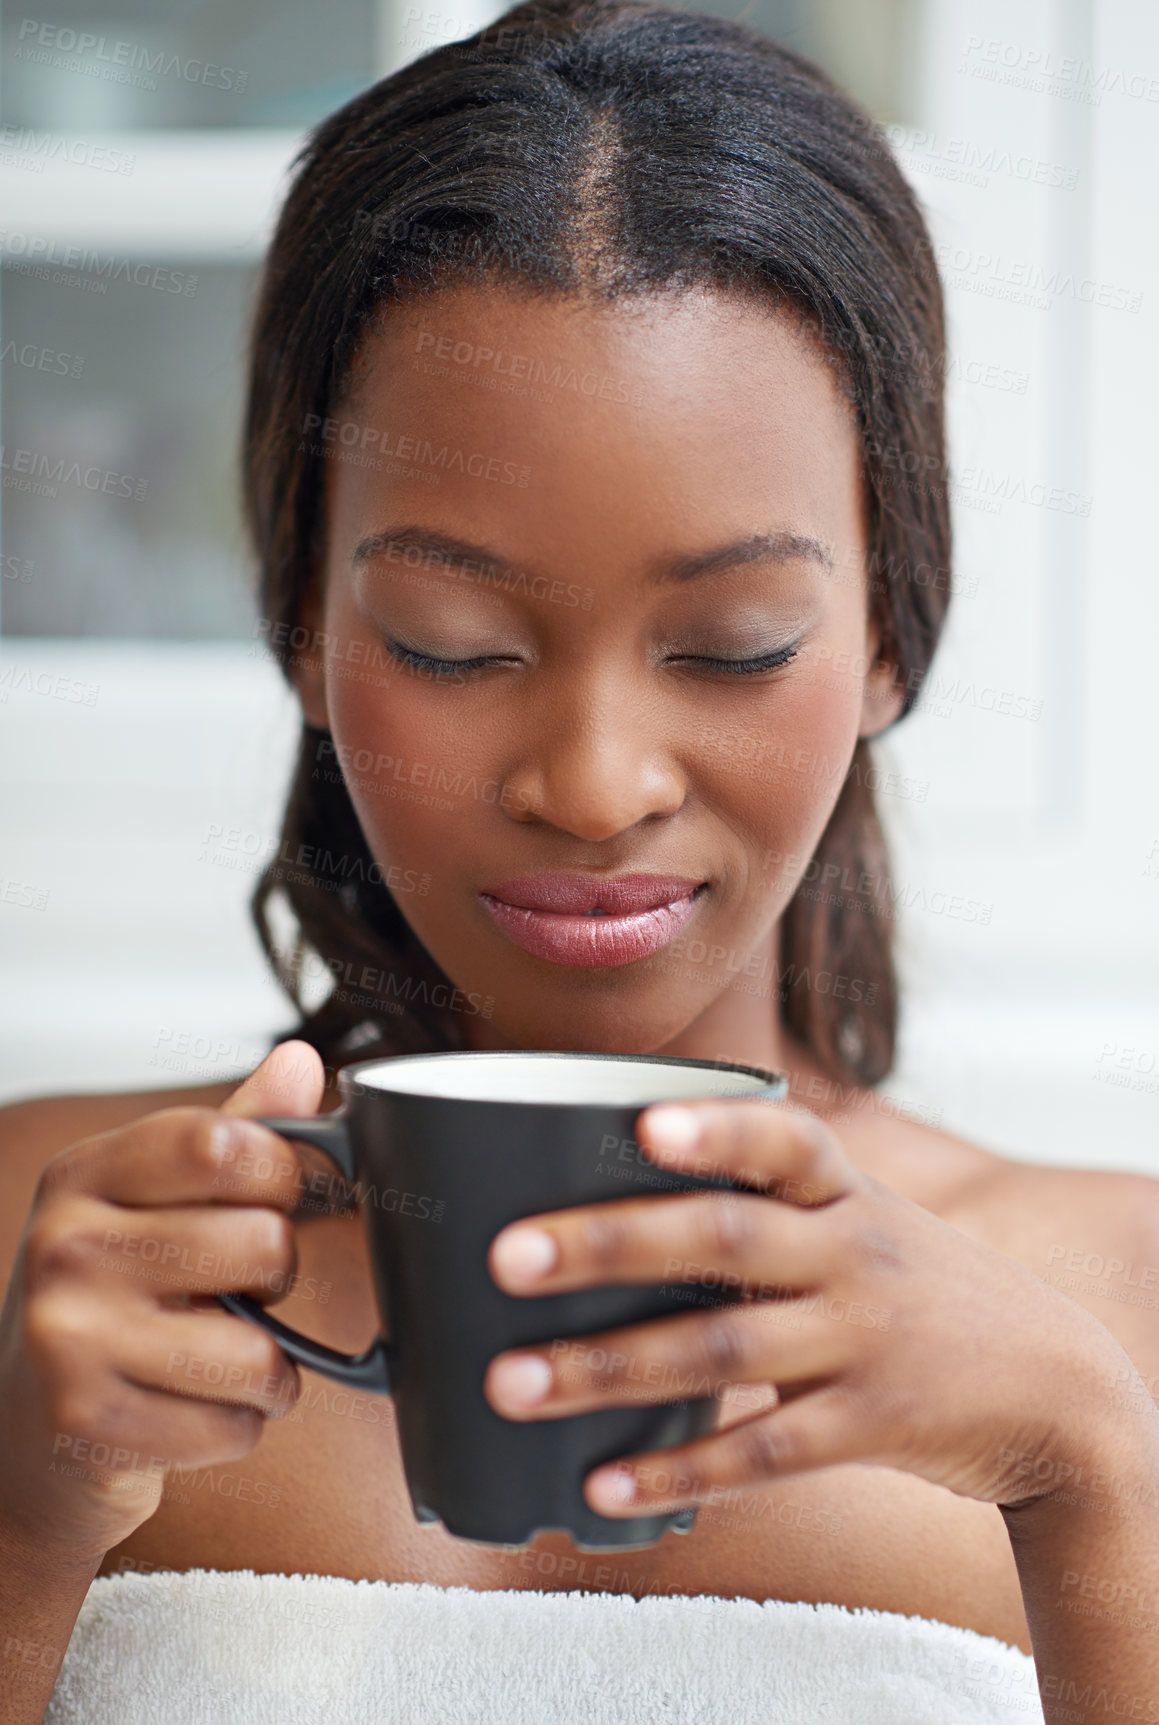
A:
x,y
679,418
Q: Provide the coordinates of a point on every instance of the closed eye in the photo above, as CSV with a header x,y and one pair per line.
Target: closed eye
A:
x,y
714,667
438,667
742,667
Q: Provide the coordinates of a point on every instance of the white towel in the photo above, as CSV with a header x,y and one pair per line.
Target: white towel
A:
x,y
211,1647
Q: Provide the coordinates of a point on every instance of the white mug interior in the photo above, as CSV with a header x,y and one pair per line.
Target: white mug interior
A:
x,y
567,1079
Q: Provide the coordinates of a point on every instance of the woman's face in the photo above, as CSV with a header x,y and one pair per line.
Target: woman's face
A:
x,y
600,509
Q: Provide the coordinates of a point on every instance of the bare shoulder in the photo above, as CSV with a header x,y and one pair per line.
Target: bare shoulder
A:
x,y
1057,1216
1091,1233
36,1129
935,1169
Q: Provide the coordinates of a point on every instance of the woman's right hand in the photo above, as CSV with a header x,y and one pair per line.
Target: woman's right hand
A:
x,y
109,1322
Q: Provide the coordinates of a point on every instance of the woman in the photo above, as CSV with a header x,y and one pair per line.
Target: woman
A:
x,y
588,356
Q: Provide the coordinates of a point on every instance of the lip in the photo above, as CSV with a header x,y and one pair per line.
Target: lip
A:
x,y
551,916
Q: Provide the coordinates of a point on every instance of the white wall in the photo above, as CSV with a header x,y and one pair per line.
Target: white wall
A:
x,y
1041,1030
141,782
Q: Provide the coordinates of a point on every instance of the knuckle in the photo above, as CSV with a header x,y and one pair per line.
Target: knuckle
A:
x,y
893,1403
58,1175
762,1447
57,1247
89,1414
201,1136
74,1413
52,1325
274,1240
729,1222
808,1141
723,1345
260,1354
605,1238
866,1240
240,1430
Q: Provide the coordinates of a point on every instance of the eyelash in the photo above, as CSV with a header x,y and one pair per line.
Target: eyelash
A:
x,y
717,667
749,667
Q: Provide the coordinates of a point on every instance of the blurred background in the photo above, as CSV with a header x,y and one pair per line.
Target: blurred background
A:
x,y
146,739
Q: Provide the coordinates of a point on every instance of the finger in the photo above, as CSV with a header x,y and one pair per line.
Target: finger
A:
x,y
290,1080
156,1430
185,1156
729,1353
211,1358
819,1429
724,1241
193,1250
783,1151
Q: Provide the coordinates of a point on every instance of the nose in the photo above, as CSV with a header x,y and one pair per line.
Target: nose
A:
x,y
593,765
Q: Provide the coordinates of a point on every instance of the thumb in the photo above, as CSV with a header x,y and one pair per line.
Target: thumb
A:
x,y
290,1080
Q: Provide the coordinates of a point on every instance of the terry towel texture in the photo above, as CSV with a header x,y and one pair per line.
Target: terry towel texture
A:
x,y
215,1648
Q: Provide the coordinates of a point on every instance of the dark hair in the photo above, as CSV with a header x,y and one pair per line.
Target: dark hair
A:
x,y
616,147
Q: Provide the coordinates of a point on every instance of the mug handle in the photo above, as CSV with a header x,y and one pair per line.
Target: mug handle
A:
x,y
366,1371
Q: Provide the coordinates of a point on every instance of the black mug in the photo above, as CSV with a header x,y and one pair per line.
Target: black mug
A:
x,y
443,1151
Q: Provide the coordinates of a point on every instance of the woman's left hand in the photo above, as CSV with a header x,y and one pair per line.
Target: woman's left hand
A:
x,y
889,1335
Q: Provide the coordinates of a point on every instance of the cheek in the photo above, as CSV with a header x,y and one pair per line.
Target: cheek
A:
x,y
416,781
778,768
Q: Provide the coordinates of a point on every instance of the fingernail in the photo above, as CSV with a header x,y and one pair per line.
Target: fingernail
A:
x,y
613,1487
674,1129
525,1253
521,1380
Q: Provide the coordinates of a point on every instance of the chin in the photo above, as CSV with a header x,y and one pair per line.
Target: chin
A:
x,y
592,1027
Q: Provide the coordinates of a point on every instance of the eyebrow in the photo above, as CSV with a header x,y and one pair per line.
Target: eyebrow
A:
x,y
778,547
